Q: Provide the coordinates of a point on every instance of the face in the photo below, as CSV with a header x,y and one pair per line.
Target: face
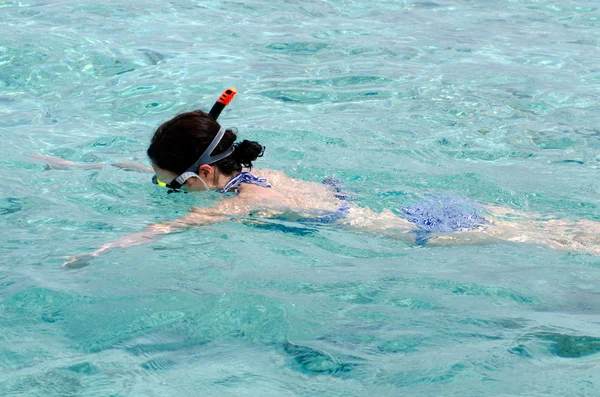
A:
x,y
192,184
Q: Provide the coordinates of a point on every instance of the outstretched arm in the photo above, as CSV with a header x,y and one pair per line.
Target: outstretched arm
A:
x,y
57,163
199,216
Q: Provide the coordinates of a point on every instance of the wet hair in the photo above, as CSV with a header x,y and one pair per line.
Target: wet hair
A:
x,y
179,143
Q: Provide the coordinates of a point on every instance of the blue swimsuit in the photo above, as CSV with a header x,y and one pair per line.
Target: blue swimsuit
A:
x,y
332,216
244,177
446,214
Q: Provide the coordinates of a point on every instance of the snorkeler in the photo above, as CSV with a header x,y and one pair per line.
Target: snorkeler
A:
x,y
192,152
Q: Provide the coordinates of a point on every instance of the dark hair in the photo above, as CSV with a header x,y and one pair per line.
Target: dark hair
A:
x,y
178,143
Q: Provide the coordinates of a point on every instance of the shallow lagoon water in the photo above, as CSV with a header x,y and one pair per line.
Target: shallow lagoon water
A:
x,y
494,101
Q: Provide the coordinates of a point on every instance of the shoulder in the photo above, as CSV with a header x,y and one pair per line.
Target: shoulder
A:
x,y
271,175
280,180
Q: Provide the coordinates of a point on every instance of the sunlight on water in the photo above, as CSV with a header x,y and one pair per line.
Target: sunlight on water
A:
x,y
493,101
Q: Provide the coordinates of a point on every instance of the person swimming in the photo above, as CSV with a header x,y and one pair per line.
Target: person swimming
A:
x,y
192,152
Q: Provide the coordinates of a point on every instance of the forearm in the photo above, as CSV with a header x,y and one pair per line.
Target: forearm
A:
x,y
63,164
153,232
199,216
130,241
157,230
133,167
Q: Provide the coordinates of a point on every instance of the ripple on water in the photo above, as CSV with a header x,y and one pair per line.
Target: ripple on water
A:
x,y
564,345
308,97
85,368
405,344
152,57
145,108
465,289
158,364
297,48
347,81
314,362
119,142
10,205
443,374
90,328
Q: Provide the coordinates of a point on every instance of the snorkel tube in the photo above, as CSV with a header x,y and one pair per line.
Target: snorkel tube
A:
x,y
224,100
206,158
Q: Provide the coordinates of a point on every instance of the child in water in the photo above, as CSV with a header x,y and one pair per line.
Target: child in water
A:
x,y
193,152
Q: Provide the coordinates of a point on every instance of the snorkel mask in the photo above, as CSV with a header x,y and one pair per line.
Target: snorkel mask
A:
x,y
206,157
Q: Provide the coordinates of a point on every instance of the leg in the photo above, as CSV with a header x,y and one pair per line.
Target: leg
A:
x,y
561,234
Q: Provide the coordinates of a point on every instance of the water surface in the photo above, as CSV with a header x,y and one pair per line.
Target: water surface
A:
x,y
494,101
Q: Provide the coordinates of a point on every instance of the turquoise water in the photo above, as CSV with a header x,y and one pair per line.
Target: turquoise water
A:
x,y
495,101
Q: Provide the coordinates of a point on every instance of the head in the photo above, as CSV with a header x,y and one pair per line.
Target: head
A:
x,y
179,143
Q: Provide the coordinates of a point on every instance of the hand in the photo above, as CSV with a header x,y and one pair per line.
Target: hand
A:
x,y
79,261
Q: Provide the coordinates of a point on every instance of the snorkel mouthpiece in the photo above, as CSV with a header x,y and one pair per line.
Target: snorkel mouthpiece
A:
x,y
224,100
158,182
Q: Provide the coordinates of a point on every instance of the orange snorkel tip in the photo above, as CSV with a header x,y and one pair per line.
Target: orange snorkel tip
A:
x,y
224,99
227,96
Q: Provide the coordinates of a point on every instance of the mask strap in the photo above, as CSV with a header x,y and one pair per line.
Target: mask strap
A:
x,y
206,158
184,177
